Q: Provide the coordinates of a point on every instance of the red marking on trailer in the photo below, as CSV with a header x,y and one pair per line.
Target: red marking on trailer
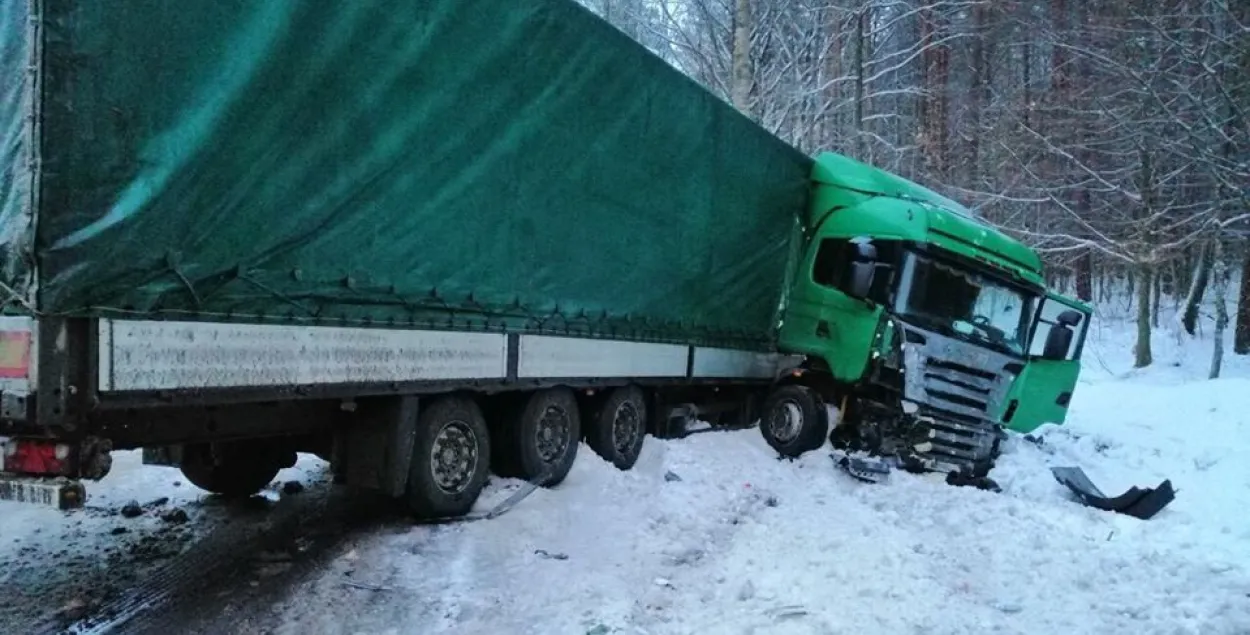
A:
x,y
14,354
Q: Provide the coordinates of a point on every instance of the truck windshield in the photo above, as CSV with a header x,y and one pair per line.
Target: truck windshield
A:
x,y
963,303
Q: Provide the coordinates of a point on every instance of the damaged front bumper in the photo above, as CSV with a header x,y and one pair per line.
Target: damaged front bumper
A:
x,y
1136,502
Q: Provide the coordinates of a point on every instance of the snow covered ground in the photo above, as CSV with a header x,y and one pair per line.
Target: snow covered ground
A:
x,y
713,534
744,543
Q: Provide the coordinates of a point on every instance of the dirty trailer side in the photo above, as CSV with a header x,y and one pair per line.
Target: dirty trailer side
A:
x,y
422,239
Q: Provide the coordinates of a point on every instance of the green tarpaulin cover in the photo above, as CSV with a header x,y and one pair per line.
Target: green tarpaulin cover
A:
x,y
17,106
492,164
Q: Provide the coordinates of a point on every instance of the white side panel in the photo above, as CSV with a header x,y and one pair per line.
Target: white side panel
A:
x,y
563,357
729,363
172,355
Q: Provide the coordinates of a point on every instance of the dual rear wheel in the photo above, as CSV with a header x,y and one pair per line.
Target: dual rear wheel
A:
x,y
454,450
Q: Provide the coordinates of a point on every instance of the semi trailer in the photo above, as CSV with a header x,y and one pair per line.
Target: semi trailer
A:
x,y
428,240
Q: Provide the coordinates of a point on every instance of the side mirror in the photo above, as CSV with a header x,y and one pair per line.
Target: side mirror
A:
x,y
1069,318
1058,340
863,268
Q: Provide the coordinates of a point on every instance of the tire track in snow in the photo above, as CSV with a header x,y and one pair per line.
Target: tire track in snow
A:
x,y
223,562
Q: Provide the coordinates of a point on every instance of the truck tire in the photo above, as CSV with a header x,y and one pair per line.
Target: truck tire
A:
x,y
450,459
794,420
545,437
233,470
619,427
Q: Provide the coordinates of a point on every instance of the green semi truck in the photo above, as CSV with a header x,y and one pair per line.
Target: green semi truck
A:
x,y
430,240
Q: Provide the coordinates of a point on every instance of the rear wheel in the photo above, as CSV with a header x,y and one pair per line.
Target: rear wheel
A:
x,y
236,469
450,459
794,420
545,437
619,427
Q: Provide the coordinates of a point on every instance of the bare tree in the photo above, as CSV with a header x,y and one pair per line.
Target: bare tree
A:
x,y
1111,136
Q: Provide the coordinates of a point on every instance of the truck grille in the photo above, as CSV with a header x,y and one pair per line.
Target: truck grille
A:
x,y
954,429
958,391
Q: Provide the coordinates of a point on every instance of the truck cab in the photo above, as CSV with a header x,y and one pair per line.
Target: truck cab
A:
x,y
927,330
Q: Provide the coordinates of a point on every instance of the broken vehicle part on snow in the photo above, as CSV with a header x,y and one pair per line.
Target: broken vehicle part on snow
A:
x,y
877,470
1136,502
867,469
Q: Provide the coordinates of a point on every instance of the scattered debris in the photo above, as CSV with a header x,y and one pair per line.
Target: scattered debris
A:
x,y
176,515
599,629
664,582
366,587
687,556
1136,502
551,556
771,501
273,556
132,510
117,531
786,612
272,569
960,479
746,592
158,502
75,609
291,488
868,470
671,476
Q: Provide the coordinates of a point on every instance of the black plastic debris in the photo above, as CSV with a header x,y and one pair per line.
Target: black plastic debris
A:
x,y
1136,502
964,479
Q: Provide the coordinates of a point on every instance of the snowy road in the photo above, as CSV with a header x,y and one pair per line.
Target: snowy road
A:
x,y
712,534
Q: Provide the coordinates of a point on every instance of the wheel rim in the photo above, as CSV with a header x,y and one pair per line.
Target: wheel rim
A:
x,y
453,457
626,428
786,421
552,435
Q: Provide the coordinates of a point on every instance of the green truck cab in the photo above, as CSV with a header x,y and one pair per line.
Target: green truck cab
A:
x,y
926,330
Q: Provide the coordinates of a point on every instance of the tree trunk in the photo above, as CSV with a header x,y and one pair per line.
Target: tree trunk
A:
x,y
1241,333
1198,286
1085,275
740,88
935,60
1141,352
861,59
1220,291
1157,297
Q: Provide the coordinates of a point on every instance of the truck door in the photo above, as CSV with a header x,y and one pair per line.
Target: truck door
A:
x,y
823,320
1043,390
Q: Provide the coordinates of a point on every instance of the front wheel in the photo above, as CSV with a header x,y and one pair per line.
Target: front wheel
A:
x,y
794,420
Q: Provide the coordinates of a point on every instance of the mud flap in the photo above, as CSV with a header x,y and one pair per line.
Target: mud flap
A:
x,y
1136,502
